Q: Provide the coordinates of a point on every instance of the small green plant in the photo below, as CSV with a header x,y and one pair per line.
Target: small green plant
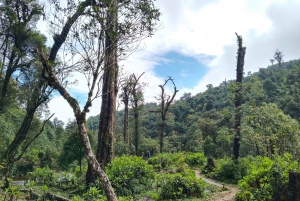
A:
x,y
12,193
93,194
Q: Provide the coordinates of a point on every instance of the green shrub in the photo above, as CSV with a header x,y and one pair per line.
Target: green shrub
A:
x,y
130,175
166,160
195,159
180,185
230,171
42,175
266,177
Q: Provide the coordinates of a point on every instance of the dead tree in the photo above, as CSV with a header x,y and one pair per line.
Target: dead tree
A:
x,y
238,95
278,56
136,102
165,102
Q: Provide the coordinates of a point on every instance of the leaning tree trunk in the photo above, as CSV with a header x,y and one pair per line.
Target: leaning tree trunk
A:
x,y
109,90
238,95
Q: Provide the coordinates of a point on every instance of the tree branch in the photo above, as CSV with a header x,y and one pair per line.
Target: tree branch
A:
x,y
29,143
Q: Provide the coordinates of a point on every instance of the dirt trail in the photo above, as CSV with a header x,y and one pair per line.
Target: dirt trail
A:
x,y
226,195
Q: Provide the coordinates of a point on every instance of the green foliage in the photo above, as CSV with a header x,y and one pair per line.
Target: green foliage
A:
x,y
231,171
93,194
167,160
42,175
195,159
180,185
209,147
130,175
265,177
267,130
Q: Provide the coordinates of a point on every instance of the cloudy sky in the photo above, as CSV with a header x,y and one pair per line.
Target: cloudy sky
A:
x,y
196,44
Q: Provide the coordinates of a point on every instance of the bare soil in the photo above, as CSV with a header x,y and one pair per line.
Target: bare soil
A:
x,y
228,194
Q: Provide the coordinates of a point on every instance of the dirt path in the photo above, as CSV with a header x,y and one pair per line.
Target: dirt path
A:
x,y
226,195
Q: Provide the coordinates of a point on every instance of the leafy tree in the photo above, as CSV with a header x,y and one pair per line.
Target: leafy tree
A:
x,y
193,139
271,131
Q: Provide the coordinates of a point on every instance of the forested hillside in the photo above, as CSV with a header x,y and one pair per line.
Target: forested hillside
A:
x,y
205,122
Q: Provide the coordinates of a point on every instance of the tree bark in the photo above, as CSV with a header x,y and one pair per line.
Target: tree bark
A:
x,y
109,90
136,128
126,113
294,187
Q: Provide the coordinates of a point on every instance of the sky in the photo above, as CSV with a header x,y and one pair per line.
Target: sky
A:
x,y
196,45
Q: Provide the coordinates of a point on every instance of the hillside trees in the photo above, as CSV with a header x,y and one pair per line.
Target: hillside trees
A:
x,y
268,131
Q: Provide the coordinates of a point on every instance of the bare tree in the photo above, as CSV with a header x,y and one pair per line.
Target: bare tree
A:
x,y
238,95
165,102
278,56
272,61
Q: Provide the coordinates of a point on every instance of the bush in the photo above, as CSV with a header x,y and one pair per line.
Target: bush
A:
x,y
42,175
231,172
266,177
130,175
195,159
180,185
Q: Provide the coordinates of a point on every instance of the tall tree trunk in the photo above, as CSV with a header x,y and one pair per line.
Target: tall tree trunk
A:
x,y
161,136
126,112
136,128
238,95
109,89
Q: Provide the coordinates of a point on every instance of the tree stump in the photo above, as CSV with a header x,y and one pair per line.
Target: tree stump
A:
x,y
210,164
294,187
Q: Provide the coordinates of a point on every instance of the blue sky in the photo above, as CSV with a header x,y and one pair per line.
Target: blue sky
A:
x,y
186,71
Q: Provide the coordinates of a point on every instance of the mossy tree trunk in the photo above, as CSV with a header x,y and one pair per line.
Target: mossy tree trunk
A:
x,y
238,95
